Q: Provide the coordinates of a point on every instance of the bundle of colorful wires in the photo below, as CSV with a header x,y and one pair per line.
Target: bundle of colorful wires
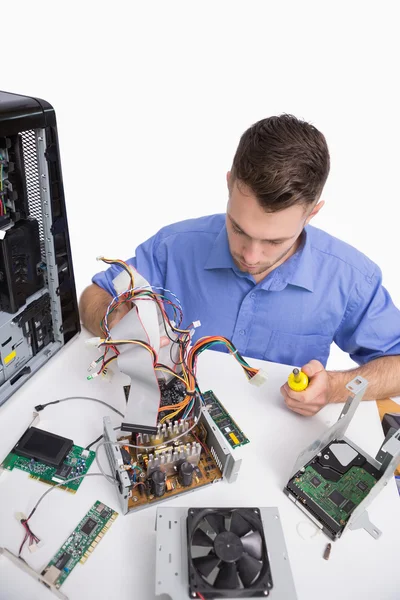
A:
x,y
187,356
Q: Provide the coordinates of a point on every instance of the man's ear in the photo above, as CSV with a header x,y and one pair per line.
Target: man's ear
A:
x,y
228,179
315,211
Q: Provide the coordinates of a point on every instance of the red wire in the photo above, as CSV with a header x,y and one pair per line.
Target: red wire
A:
x,y
200,596
200,442
28,535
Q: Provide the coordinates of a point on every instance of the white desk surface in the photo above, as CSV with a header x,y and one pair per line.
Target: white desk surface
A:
x,y
122,566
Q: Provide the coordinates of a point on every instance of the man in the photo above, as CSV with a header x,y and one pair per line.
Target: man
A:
x,y
261,276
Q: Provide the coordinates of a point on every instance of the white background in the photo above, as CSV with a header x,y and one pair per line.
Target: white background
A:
x,y
151,99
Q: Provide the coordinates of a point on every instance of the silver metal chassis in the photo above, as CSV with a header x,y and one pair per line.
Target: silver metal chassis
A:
x,y
385,461
52,273
228,463
34,364
172,555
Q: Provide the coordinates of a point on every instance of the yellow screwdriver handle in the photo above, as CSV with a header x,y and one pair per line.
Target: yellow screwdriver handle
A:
x,y
297,380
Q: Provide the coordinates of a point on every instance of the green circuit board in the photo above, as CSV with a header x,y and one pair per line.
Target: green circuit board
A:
x,y
80,544
229,429
74,464
337,499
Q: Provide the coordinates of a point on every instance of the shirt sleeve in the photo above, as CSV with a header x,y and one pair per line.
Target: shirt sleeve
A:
x,y
147,262
371,325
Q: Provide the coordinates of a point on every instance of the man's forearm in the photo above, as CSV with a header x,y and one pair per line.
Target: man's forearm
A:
x,y
382,374
92,308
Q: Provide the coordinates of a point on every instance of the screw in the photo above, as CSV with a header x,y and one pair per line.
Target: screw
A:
x,y
326,456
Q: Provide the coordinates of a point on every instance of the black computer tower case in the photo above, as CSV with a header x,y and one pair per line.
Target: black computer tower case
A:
x,y
38,303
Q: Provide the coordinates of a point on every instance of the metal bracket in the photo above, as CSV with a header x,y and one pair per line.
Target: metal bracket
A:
x,y
25,567
357,388
363,522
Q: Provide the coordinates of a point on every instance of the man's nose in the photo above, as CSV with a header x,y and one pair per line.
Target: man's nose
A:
x,y
251,253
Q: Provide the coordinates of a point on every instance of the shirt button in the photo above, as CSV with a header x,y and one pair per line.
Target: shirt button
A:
x,y
253,295
242,332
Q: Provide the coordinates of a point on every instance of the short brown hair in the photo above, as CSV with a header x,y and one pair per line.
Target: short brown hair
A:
x,y
283,160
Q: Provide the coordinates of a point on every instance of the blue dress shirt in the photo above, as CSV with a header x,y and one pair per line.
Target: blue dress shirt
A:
x,y
326,292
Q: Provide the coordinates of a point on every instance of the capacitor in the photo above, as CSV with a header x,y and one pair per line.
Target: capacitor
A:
x,y
158,482
186,473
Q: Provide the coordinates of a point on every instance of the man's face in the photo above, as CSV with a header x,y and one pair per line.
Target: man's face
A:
x,y
260,241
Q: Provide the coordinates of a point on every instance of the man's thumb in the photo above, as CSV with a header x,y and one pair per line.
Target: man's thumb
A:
x,y
312,368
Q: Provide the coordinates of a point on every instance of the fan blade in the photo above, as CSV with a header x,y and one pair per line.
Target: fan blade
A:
x,y
202,539
205,564
249,569
252,543
239,525
216,521
227,577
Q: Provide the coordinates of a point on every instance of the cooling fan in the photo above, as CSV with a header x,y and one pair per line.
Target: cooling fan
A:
x,y
227,553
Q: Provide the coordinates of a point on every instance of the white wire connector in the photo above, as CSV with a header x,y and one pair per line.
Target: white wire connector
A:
x,y
259,378
99,257
33,547
108,374
95,341
20,516
196,324
90,377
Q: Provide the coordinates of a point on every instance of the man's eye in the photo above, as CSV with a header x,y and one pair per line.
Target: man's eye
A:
x,y
236,230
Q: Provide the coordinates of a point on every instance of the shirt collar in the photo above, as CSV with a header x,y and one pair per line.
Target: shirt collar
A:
x,y
297,270
220,256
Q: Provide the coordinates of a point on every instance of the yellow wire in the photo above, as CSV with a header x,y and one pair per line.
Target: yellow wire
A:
x,y
116,342
120,262
170,416
171,373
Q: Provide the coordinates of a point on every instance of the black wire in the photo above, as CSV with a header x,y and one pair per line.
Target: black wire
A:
x,y
98,439
95,442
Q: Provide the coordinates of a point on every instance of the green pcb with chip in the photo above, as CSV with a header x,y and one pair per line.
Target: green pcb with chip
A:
x,y
337,499
77,462
229,429
80,544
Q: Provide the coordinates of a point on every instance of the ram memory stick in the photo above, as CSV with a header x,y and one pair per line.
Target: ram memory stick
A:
x,y
229,429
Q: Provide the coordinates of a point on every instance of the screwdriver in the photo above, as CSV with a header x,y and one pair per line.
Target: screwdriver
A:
x,y
297,380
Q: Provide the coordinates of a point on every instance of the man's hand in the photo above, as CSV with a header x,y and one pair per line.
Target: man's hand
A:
x,y
315,397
